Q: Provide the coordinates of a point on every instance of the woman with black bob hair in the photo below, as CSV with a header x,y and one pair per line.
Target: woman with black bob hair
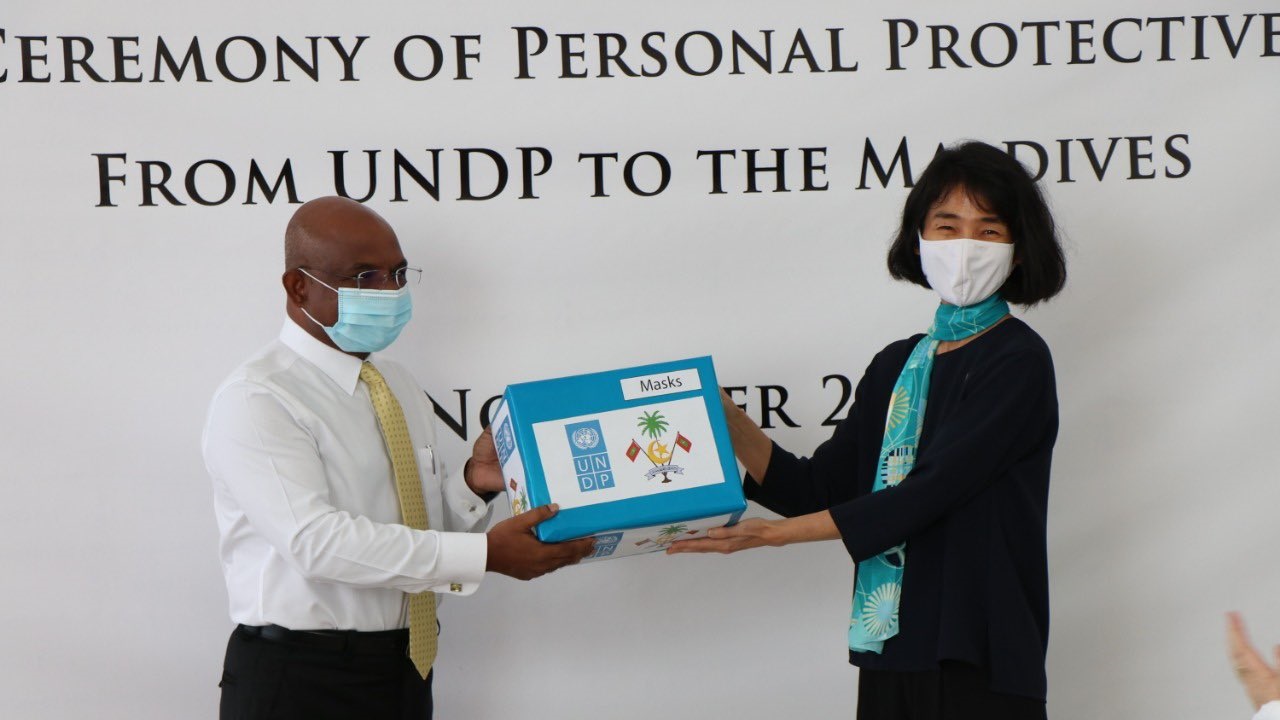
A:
x,y
1007,191
943,512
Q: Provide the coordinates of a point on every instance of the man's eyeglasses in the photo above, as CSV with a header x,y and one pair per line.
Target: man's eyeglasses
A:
x,y
380,278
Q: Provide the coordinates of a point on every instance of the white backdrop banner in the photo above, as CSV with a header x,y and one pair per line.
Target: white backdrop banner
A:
x,y
591,186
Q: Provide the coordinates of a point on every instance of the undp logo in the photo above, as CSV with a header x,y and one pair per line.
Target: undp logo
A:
x,y
606,544
505,441
590,456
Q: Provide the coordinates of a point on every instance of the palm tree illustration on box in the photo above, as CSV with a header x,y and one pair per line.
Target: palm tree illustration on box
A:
x,y
668,535
670,532
653,424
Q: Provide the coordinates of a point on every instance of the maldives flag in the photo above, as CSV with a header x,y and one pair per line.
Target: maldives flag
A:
x,y
683,442
633,452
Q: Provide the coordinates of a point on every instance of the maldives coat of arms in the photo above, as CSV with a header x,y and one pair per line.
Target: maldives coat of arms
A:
x,y
654,427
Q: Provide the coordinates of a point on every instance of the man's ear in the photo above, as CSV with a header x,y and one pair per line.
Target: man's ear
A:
x,y
295,286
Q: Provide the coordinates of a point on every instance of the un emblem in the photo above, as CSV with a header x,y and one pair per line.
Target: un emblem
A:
x,y
586,438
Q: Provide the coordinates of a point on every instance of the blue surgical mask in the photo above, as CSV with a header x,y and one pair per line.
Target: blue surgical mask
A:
x,y
368,320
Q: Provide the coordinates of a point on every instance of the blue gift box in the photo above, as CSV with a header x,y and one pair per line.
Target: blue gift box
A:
x,y
637,457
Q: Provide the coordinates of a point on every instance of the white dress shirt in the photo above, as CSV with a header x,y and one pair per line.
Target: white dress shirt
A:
x,y
306,499
1270,711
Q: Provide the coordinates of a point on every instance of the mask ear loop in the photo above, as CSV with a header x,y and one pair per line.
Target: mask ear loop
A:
x,y
317,322
313,277
304,310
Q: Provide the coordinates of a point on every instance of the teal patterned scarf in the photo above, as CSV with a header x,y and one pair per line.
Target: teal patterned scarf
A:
x,y
878,588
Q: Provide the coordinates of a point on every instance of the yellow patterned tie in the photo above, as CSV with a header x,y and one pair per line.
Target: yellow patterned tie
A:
x,y
422,606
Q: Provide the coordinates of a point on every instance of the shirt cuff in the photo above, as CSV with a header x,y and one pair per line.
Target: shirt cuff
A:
x,y
1270,711
466,505
462,561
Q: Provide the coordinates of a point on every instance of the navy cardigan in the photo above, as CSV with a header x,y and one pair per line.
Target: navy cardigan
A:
x,y
972,511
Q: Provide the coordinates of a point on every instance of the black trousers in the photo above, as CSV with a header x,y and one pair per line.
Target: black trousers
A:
x,y
955,691
281,680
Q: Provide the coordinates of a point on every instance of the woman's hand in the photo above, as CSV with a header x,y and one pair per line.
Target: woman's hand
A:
x,y
1261,681
758,532
750,444
747,534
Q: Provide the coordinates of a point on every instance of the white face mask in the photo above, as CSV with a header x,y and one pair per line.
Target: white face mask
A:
x,y
965,271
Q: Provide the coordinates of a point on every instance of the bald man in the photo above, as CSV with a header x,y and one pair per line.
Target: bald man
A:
x,y
339,525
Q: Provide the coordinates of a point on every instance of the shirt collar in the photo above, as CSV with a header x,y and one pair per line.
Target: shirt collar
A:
x,y
342,369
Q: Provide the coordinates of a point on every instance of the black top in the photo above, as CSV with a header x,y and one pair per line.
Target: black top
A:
x,y
972,510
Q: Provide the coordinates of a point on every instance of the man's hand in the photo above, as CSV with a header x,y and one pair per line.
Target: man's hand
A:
x,y
515,551
483,472
1260,680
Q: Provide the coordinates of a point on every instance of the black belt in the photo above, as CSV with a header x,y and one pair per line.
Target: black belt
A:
x,y
381,642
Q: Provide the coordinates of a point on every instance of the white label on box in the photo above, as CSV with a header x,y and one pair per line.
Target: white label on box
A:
x,y
629,453
661,384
